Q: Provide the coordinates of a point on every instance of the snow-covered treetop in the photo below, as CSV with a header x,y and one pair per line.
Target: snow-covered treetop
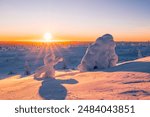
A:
x,y
49,57
105,38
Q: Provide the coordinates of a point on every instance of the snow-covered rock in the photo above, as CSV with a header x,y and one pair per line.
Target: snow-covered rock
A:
x,y
100,55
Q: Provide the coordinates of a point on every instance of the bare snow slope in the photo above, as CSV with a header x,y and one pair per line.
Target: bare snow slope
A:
x,y
130,80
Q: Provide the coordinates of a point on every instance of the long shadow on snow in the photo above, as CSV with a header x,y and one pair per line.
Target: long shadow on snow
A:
x,y
52,89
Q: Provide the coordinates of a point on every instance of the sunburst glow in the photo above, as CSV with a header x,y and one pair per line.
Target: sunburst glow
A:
x,y
48,37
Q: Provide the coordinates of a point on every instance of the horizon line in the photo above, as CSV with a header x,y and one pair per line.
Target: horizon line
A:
x,y
55,41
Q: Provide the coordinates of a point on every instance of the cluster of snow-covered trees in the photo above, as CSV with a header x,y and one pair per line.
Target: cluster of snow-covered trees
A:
x,y
99,55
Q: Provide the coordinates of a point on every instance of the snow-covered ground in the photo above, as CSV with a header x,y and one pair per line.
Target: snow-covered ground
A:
x,y
127,80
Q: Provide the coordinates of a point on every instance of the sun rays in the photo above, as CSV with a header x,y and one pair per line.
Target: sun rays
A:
x,y
47,37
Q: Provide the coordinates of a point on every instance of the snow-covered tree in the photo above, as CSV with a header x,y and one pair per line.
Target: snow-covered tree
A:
x,y
27,68
64,65
99,55
48,69
139,54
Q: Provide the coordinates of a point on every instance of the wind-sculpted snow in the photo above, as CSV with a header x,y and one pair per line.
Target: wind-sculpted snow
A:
x,y
99,55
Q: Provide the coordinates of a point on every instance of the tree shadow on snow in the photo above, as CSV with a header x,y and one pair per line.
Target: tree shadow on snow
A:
x,y
131,67
52,89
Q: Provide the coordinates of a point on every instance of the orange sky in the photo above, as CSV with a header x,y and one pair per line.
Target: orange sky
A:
x,y
117,37
74,20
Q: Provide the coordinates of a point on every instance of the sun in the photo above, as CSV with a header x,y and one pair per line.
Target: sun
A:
x,y
47,37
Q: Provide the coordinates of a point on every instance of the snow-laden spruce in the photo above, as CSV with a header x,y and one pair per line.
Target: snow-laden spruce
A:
x,y
99,55
27,68
48,70
139,54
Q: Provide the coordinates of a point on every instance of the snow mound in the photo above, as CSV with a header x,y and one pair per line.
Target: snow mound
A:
x,y
99,55
139,65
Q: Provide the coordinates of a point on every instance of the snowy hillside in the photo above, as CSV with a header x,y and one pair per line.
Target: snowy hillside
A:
x,y
128,80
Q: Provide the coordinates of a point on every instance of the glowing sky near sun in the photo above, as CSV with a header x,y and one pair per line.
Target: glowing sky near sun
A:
x,y
83,20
